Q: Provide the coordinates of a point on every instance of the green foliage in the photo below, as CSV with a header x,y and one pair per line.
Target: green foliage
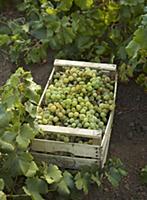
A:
x,y
115,171
142,80
108,31
17,129
2,194
35,187
143,175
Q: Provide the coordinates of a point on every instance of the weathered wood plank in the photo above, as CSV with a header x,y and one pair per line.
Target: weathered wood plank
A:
x,y
107,134
64,161
72,131
75,149
102,66
46,87
105,148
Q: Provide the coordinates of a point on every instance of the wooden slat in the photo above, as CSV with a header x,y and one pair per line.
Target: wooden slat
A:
x,y
64,161
102,66
72,131
105,149
107,134
75,149
46,87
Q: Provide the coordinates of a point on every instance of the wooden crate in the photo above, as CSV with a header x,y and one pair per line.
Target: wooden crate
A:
x,y
75,155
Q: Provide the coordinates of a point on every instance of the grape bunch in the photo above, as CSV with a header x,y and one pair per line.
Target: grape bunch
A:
x,y
78,98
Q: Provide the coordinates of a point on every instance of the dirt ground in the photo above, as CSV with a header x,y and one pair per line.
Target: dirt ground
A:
x,y
128,141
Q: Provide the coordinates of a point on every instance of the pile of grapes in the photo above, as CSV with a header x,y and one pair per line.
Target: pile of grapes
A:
x,y
78,98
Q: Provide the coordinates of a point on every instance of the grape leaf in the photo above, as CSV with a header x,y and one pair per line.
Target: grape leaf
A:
x,y
113,176
96,179
35,187
143,175
66,183
84,4
1,184
2,196
132,49
5,117
82,182
4,39
52,174
27,166
26,134
6,146
65,5
31,109
140,37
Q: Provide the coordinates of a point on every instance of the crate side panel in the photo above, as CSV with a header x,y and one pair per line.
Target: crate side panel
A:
x,y
107,135
105,149
75,149
102,66
110,120
97,134
65,161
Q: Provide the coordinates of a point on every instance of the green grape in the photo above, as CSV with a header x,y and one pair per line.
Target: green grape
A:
x,y
73,125
73,89
74,103
85,120
76,114
94,94
89,88
101,105
92,125
57,75
102,114
111,107
82,83
44,121
82,116
78,107
92,112
70,114
60,115
52,108
73,70
76,121
80,99
86,124
101,124
51,117
66,139
70,78
78,78
66,124
68,101
104,119
55,119
40,121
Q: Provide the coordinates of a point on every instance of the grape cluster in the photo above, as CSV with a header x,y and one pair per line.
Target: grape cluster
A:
x,y
78,98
